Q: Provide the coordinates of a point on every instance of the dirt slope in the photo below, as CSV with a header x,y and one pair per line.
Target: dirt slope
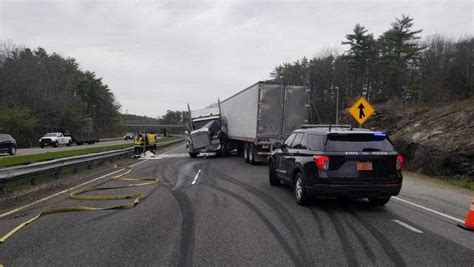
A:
x,y
434,140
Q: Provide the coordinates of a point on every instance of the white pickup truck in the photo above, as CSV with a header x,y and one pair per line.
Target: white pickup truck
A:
x,y
55,139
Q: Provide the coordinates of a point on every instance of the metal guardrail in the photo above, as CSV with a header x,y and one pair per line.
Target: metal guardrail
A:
x,y
41,168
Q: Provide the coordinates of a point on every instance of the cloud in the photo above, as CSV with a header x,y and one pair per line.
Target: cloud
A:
x,y
157,55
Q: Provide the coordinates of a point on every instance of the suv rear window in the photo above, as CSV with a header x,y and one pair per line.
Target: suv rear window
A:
x,y
358,143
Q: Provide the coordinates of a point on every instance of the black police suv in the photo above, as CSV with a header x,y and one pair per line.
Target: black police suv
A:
x,y
7,144
337,161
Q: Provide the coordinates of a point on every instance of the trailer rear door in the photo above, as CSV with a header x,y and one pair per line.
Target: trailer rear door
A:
x,y
295,111
269,111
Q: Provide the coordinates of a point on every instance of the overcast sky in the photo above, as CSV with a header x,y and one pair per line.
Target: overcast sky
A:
x,y
158,55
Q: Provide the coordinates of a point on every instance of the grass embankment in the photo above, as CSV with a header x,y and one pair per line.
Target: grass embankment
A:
x,y
457,181
28,159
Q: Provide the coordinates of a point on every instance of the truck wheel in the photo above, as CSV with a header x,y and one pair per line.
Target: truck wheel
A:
x,y
55,144
42,145
193,154
274,181
69,143
222,152
252,153
246,152
240,149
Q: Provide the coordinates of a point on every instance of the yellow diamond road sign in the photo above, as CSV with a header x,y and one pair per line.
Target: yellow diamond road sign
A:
x,y
361,110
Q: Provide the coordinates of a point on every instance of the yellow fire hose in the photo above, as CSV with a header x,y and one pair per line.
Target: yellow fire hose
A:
x,y
78,195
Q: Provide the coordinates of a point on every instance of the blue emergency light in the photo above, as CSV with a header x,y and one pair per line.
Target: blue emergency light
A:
x,y
380,135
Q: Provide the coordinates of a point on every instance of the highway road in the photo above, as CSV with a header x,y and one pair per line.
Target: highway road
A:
x,y
38,150
221,211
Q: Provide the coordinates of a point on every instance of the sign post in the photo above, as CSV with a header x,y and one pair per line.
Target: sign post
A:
x,y
361,110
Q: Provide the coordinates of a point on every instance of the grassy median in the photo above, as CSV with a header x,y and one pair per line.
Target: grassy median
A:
x,y
28,159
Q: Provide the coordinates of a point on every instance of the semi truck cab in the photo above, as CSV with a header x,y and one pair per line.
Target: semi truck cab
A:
x,y
206,132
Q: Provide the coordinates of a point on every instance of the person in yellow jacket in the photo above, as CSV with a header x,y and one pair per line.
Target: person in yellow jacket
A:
x,y
152,141
138,144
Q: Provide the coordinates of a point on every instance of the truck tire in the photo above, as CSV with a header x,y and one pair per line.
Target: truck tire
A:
x,y
252,154
246,152
55,144
42,145
222,152
193,154
69,143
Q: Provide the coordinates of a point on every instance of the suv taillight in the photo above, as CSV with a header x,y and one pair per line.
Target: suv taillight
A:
x,y
399,162
322,162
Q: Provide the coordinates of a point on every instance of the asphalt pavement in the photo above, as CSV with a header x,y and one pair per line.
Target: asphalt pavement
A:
x,y
221,211
38,150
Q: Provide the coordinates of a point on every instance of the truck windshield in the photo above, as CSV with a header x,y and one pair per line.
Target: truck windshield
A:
x,y
213,124
358,143
50,134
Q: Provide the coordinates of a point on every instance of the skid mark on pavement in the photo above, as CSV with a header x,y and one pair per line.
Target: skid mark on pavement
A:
x,y
347,249
364,242
282,213
187,240
273,230
387,247
318,222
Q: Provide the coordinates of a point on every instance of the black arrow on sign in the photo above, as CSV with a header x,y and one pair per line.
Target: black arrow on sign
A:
x,y
361,111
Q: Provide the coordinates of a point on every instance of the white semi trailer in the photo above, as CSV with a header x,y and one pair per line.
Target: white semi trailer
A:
x,y
250,121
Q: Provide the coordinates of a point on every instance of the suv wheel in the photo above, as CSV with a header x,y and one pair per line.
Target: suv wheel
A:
x,y
12,150
274,181
301,195
378,201
55,144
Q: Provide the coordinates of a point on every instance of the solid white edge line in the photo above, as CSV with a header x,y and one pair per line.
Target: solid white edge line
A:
x,y
64,191
409,227
430,210
196,177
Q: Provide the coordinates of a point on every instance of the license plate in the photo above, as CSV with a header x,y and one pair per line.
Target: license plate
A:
x,y
364,166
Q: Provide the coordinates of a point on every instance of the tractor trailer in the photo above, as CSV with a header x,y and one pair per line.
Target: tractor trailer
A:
x,y
250,121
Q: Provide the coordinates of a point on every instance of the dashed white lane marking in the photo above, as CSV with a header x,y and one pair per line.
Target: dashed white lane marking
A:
x,y
430,210
64,191
409,227
196,177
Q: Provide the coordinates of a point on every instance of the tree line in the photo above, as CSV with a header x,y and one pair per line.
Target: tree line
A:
x,y
171,117
41,92
396,66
